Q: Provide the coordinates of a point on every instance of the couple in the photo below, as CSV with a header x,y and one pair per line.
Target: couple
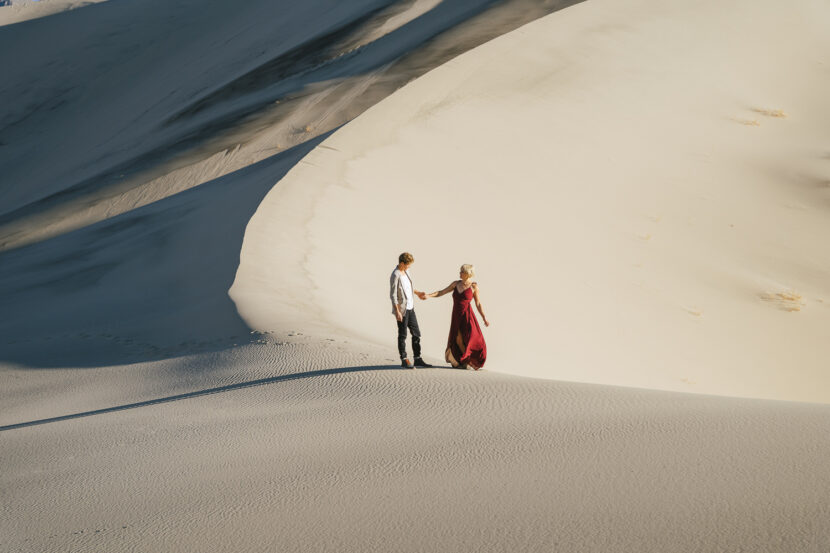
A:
x,y
465,346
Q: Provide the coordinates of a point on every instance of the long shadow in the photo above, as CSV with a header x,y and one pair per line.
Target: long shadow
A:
x,y
211,119
152,283
205,392
99,18
146,285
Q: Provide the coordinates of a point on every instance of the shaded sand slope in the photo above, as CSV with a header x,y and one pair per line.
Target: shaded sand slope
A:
x,y
94,100
157,97
148,284
151,281
642,185
394,460
306,440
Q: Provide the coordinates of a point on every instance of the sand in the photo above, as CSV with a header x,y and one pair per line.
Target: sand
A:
x,y
25,10
157,98
639,211
436,460
203,359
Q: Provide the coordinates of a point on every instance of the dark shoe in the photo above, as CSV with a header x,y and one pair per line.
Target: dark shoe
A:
x,y
421,363
406,364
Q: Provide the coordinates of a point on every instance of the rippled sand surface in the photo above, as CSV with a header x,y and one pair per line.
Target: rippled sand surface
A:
x,y
200,204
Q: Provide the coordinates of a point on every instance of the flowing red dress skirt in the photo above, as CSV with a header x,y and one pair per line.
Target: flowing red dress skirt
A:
x,y
465,345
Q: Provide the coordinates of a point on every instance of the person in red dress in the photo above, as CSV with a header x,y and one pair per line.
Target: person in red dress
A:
x,y
465,346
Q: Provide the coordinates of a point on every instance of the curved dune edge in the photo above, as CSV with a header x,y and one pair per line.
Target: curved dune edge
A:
x,y
25,10
642,186
143,133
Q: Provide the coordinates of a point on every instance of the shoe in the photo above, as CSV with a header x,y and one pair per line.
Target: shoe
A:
x,y
421,363
406,364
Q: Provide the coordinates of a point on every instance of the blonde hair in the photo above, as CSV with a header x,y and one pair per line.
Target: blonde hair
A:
x,y
468,270
406,257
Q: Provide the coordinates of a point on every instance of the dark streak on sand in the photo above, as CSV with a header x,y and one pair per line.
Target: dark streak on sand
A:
x,y
231,114
197,393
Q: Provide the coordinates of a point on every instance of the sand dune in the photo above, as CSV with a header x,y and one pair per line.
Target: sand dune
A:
x,y
200,357
149,284
388,459
132,115
629,225
158,98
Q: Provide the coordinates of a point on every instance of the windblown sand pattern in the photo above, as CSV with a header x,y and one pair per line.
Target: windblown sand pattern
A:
x,y
200,202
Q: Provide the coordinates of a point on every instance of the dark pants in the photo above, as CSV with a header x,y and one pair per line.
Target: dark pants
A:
x,y
409,321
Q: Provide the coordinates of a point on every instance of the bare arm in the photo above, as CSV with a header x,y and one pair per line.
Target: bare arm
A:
x,y
446,290
477,298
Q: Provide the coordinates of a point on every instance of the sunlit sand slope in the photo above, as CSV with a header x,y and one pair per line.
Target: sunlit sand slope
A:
x,y
642,185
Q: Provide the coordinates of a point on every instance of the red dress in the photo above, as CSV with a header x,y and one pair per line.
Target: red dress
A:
x,y
465,345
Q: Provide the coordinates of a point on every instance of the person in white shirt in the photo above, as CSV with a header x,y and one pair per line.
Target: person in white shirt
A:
x,y
402,292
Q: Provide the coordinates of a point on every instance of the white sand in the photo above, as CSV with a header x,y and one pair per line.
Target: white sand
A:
x,y
307,437
24,10
630,226
393,460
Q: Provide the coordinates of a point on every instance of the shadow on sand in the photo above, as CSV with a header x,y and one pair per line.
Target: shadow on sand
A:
x,y
205,392
152,283
146,285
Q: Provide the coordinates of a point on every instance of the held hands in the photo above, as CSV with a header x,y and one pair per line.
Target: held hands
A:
x,y
422,295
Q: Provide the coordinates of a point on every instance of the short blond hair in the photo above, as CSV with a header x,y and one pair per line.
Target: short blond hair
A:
x,y
468,269
406,257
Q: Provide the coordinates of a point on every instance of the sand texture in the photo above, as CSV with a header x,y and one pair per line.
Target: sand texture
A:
x,y
385,459
200,205
595,166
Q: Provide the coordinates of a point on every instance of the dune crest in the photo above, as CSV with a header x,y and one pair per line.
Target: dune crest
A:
x,y
631,180
139,412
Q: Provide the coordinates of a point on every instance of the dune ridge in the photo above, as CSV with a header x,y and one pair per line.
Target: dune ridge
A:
x,y
627,227
125,126
143,409
233,126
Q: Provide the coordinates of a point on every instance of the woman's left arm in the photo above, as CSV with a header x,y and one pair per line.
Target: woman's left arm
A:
x,y
477,297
